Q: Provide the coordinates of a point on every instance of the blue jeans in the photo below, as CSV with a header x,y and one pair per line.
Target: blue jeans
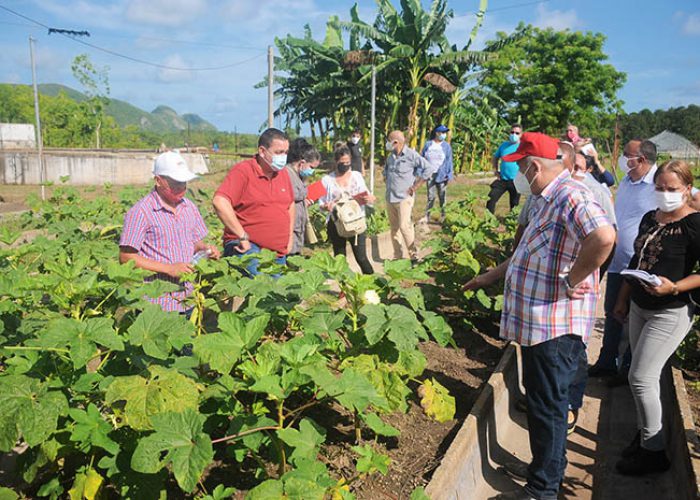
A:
x,y
436,190
252,268
578,386
612,332
548,370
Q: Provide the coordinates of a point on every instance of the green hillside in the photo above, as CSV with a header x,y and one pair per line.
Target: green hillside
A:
x,y
162,119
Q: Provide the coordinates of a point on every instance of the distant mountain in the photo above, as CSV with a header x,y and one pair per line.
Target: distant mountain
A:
x,y
161,119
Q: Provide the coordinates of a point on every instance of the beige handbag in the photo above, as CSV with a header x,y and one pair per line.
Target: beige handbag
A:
x,y
311,237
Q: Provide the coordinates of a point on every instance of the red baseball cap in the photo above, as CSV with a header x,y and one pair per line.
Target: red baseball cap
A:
x,y
535,144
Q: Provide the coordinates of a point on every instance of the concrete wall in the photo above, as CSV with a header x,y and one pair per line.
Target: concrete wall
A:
x,y
86,167
17,135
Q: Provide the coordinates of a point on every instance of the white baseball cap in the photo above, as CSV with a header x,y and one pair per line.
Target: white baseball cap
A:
x,y
173,165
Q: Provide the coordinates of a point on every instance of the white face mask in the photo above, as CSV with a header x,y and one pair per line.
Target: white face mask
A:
x,y
389,145
668,201
622,164
522,185
442,136
579,175
354,139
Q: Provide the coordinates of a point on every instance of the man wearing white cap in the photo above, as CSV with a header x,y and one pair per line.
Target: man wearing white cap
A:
x,y
164,230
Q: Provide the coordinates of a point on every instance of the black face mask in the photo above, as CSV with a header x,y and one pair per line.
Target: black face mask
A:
x,y
342,168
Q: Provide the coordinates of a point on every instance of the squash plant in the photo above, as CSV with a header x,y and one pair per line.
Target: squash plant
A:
x,y
102,393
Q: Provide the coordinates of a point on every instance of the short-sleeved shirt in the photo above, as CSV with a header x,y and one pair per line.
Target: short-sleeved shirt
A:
x,y
401,171
671,250
261,204
159,234
355,156
633,199
535,305
334,191
508,169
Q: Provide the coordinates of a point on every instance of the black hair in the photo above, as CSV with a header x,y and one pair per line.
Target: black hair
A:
x,y
299,150
516,125
341,151
648,150
356,131
266,138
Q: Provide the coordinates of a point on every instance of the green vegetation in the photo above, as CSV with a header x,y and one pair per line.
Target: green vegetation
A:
x,y
645,123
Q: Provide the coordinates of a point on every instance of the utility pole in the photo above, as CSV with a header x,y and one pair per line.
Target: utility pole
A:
x,y
270,71
372,125
39,141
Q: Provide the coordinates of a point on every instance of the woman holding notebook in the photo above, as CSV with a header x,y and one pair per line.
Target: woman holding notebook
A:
x,y
660,316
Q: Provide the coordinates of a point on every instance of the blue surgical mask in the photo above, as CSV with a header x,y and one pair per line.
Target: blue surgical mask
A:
x,y
278,161
514,138
306,172
442,136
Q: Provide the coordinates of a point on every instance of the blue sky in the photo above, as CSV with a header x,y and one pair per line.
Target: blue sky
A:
x,y
656,42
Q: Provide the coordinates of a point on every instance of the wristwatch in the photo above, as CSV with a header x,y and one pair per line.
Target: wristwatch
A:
x,y
243,237
569,287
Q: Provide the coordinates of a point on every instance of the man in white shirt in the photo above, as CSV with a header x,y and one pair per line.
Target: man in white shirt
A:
x,y
635,197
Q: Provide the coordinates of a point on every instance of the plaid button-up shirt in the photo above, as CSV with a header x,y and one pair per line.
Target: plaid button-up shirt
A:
x,y
535,305
164,236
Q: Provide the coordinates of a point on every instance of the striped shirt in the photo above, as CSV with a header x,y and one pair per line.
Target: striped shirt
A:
x,y
535,305
159,234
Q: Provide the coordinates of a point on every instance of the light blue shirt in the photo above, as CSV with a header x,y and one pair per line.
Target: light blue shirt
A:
x,y
633,200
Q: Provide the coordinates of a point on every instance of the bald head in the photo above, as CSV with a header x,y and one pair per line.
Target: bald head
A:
x,y
397,141
566,149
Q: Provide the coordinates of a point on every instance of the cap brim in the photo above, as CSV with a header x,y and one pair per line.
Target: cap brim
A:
x,y
180,177
514,156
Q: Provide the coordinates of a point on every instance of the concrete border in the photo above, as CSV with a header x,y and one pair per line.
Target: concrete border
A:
x,y
683,442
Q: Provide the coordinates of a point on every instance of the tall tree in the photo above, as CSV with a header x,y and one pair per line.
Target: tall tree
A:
x,y
95,82
550,77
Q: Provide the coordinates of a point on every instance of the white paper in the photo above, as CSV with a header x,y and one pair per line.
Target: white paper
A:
x,y
648,279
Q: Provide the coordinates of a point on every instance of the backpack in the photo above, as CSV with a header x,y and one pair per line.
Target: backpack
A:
x,y
348,217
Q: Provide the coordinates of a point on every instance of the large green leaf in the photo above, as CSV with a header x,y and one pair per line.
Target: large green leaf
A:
x,y
80,338
179,436
28,409
158,331
371,461
305,441
90,429
438,328
248,330
165,390
375,326
220,350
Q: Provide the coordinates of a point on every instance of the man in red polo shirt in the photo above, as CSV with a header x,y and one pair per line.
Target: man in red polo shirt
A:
x,y
256,202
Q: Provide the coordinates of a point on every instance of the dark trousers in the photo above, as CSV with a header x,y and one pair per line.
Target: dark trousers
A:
x,y
612,332
578,385
548,370
498,188
357,243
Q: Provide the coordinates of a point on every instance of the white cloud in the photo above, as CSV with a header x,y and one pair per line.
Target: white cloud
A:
x,y
84,12
691,26
171,13
275,17
460,28
556,19
175,75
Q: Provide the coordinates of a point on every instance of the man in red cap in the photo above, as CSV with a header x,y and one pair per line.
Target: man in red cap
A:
x,y
549,299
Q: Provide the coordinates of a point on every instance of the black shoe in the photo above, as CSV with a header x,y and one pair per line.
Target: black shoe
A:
x,y
597,371
617,380
633,447
514,495
571,422
644,462
514,470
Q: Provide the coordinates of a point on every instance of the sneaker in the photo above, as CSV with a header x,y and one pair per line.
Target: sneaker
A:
x,y
514,470
514,495
571,422
644,462
633,447
598,371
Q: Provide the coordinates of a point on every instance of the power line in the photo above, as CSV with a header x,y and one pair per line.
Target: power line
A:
x,y
505,7
128,57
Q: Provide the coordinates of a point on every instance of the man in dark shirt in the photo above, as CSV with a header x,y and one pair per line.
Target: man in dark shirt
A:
x,y
356,152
